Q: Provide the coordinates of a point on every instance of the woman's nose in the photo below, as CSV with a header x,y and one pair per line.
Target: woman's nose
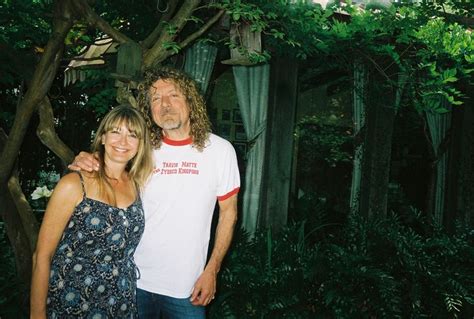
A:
x,y
123,139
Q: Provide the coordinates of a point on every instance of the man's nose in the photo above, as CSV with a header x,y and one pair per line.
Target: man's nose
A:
x,y
165,101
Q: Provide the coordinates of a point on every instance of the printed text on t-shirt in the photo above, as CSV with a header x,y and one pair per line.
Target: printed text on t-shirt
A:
x,y
180,168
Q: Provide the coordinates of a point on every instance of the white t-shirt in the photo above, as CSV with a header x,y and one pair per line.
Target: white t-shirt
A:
x,y
179,201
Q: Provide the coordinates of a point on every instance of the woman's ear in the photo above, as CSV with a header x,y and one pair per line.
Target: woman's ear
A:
x,y
103,139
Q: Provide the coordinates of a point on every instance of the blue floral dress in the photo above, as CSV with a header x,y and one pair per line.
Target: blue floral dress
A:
x,y
93,274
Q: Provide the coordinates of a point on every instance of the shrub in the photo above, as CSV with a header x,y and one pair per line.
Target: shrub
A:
x,y
377,268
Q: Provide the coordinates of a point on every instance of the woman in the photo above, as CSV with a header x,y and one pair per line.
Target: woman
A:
x,y
83,265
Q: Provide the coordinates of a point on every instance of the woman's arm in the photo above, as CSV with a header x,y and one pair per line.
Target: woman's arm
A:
x,y
67,194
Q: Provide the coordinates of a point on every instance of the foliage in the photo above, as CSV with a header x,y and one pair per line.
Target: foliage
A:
x,y
267,277
325,147
447,54
324,140
99,101
382,268
424,41
26,30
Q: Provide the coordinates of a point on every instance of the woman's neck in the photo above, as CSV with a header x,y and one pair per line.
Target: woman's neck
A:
x,y
115,171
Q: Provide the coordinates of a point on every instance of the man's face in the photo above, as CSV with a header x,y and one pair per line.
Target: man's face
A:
x,y
169,108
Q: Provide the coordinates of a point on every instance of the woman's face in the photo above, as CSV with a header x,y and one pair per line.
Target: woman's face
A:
x,y
120,144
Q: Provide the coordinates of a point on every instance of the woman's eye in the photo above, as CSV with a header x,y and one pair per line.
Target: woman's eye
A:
x,y
133,135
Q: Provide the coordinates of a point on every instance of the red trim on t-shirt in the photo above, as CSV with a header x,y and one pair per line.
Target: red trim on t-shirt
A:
x,y
169,141
232,192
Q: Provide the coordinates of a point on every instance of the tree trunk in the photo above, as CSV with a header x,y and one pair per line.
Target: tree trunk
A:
x,y
40,84
277,169
47,134
14,228
20,223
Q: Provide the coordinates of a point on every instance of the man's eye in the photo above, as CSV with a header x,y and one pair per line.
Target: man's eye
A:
x,y
155,98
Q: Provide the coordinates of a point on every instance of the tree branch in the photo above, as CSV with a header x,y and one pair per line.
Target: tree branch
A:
x,y
14,228
154,35
158,53
47,134
99,58
84,10
41,82
203,29
376,65
28,219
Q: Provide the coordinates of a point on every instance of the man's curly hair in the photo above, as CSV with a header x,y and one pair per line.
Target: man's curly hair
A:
x,y
199,120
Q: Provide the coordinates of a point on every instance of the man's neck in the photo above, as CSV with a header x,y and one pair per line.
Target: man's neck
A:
x,y
176,135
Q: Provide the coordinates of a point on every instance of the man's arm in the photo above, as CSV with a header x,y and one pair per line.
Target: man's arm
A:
x,y
205,287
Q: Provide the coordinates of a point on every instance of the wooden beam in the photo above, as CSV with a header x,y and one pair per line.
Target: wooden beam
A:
x,y
277,168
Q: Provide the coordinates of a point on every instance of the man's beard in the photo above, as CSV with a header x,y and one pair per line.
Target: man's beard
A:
x,y
169,120
171,125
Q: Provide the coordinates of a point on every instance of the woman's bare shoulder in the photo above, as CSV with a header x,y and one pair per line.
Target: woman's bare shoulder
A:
x,y
70,182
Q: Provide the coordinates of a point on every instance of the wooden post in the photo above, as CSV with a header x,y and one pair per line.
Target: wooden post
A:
x,y
280,143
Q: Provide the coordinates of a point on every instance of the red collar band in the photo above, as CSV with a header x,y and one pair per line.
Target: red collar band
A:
x,y
169,141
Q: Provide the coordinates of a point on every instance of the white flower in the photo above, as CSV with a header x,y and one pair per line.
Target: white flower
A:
x,y
41,192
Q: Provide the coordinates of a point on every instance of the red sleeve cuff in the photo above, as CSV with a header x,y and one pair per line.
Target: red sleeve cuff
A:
x,y
229,194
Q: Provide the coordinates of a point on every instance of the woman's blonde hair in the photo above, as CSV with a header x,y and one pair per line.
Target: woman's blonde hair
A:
x,y
141,165
200,124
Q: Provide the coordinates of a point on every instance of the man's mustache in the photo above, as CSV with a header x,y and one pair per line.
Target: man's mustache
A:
x,y
167,112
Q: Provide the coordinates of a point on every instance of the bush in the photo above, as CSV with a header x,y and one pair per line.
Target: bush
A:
x,y
381,268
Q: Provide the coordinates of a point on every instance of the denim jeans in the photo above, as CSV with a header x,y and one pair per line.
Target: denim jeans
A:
x,y
152,306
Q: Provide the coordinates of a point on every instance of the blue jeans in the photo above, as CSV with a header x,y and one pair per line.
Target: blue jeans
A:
x,y
152,306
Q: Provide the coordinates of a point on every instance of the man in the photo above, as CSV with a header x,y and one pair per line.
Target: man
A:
x,y
193,168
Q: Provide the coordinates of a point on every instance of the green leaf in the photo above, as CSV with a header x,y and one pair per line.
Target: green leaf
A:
x,y
236,16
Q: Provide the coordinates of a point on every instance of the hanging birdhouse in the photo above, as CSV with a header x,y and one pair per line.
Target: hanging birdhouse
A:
x,y
129,63
245,42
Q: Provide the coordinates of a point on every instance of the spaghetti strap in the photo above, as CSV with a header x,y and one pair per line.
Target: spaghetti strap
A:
x,y
82,184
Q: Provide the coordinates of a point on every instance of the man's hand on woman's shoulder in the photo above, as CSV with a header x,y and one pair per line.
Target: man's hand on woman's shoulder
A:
x,y
84,162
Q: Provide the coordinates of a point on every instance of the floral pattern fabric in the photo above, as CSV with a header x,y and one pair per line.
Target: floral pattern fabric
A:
x,y
93,274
